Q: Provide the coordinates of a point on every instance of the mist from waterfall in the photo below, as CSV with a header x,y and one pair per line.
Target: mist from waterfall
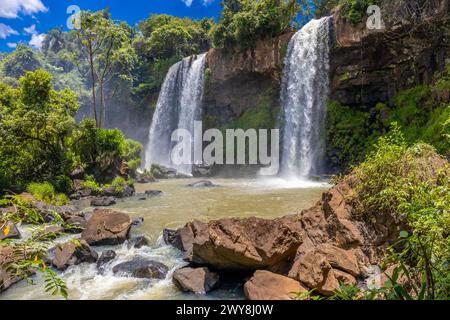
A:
x,y
304,94
178,106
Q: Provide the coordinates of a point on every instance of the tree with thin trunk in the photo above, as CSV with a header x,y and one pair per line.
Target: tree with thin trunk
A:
x,y
107,47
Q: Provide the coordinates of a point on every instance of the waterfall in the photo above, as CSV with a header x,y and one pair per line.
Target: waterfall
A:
x,y
304,93
178,106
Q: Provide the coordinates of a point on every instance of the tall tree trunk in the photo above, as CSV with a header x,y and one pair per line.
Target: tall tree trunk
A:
x,y
94,103
103,105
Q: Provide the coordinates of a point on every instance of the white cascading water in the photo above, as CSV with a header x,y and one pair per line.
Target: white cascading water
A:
x,y
304,95
179,105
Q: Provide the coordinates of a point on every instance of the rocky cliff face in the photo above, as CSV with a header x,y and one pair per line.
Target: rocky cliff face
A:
x,y
371,66
367,65
238,81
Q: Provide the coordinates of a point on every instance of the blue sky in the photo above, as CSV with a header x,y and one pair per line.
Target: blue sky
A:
x,y
27,21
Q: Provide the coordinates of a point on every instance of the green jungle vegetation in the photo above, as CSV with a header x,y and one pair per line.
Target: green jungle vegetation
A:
x,y
422,112
389,148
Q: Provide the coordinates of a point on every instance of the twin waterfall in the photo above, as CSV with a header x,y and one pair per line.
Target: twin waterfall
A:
x,y
178,106
303,96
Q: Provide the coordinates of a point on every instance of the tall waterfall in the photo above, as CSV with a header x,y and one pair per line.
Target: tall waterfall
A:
x,y
304,94
178,106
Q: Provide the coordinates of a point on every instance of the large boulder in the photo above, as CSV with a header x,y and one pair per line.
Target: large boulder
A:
x,y
344,277
141,268
182,238
240,244
8,230
68,211
107,227
73,253
265,285
196,280
341,259
336,245
315,272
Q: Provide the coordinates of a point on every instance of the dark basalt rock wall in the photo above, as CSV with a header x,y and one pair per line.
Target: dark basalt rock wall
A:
x,y
367,66
237,80
371,66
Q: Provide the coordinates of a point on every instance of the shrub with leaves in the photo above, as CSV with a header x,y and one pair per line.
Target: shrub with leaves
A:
x,y
27,258
23,210
411,184
46,192
244,22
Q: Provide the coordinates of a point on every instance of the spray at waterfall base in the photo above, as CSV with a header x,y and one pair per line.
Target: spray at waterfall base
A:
x,y
250,147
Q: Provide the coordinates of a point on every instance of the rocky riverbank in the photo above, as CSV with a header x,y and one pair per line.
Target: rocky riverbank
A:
x,y
316,249
320,248
98,228
77,243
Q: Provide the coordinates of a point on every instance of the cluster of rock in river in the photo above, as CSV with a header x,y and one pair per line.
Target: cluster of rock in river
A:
x,y
318,248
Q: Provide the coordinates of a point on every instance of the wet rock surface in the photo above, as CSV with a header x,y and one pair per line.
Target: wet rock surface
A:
x,y
138,242
75,224
265,285
319,248
141,268
162,172
202,184
137,222
8,230
106,257
73,253
196,280
107,227
153,193
233,244
103,201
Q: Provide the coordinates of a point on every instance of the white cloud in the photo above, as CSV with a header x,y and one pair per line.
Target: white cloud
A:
x,y
6,31
189,2
11,45
12,8
36,40
31,29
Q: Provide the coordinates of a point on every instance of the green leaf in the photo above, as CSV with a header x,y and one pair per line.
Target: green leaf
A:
x,y
404,234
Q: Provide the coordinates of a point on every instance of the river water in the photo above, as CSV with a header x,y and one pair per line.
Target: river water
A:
x,y
178,205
